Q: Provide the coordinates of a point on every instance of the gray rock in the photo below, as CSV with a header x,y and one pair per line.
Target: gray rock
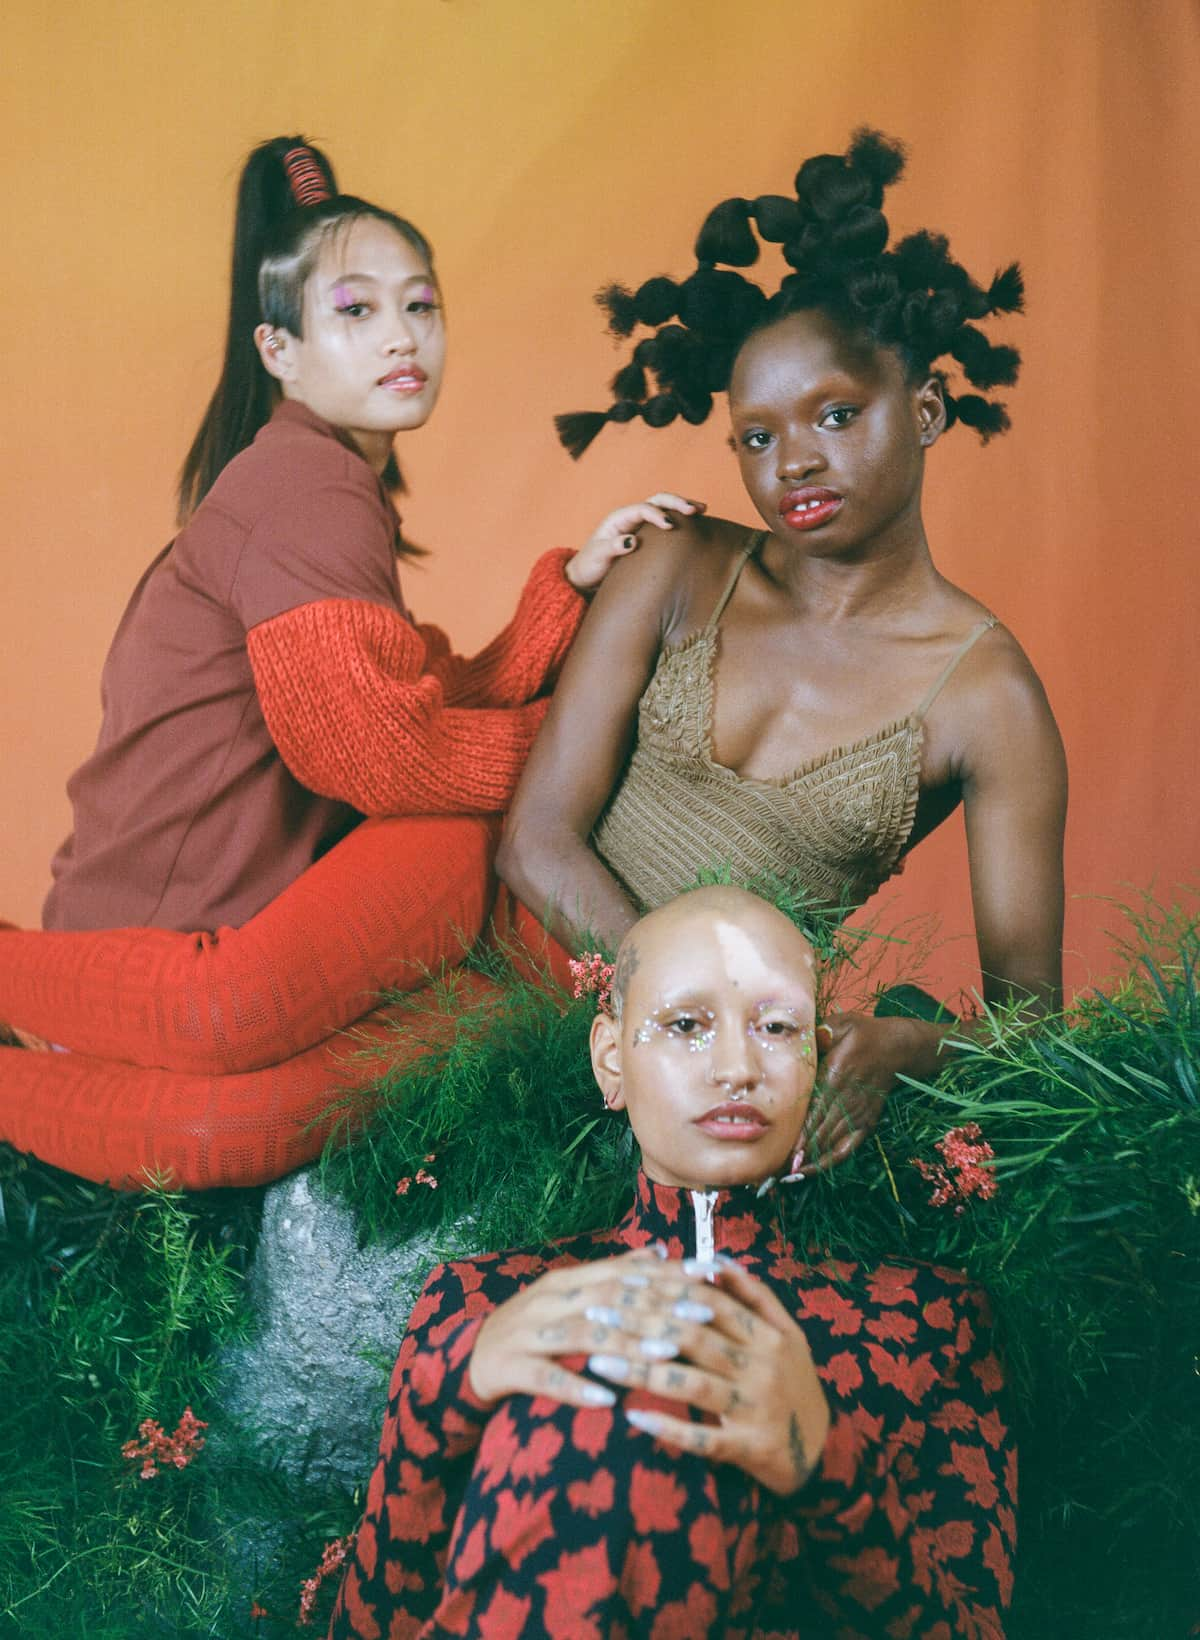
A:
x,y
310,1385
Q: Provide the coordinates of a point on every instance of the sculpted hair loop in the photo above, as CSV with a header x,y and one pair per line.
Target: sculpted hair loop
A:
x,y
913,298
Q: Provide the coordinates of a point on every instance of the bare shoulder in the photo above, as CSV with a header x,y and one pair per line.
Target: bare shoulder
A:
x,y
679,571
1002,675
998,715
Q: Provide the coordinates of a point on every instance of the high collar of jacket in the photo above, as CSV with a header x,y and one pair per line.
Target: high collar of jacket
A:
x,y
737,1222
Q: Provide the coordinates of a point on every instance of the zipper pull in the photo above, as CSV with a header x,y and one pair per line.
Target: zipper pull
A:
x,y
704,1206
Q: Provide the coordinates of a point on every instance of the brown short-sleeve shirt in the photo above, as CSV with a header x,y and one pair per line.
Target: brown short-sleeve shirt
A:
x,y
185,816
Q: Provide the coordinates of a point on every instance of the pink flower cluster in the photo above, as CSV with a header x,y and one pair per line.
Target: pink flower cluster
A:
x,y
157,1447
593,977
332,1557
961,1173
404,1185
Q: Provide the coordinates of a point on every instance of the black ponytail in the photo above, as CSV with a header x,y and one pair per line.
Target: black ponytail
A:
x,y
276,241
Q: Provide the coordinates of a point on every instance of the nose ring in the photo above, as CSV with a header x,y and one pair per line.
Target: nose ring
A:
x,y
736,1095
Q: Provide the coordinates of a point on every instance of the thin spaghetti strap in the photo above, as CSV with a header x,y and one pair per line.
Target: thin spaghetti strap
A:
x,y
756,538
963,649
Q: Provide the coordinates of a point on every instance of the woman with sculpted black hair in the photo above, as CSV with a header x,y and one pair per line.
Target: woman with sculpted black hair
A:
x,y
811,698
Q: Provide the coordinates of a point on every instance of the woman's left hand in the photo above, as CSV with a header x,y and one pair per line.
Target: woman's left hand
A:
x,y
617,536
727,1347
861,1057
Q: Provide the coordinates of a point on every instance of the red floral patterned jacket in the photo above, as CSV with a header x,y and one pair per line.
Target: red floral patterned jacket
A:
x,y
533,1518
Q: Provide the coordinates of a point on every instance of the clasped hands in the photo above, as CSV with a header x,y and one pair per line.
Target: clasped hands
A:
x,y
725,1346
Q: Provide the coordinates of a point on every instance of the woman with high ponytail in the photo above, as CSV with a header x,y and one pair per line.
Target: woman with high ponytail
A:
x,y
806,700
222,911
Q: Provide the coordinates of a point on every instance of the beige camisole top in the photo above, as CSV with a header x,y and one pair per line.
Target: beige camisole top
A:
x,y
836,827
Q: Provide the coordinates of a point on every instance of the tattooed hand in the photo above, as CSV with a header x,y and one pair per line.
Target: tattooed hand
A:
x,y
726,1347
748,1365
563,1313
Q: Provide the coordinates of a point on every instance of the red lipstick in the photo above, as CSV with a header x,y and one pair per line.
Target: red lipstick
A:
x,y
733,1120
810,507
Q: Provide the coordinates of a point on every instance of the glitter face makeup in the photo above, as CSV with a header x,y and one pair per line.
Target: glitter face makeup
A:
x,y
778,1030
775,1028
690,1028
715,1060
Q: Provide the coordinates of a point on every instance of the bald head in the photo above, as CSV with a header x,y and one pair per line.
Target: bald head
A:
x,y
710,1046
732,914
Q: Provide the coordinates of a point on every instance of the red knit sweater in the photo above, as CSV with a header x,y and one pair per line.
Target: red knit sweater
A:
x,y
367,708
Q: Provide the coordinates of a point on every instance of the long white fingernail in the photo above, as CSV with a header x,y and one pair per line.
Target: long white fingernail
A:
x,y
609,1366
687,1309
635,1280
603,1315
648,1422
597,1396
708,1266
658,1349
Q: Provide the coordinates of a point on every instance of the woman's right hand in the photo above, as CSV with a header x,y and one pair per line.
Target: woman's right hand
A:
x,y
564,1312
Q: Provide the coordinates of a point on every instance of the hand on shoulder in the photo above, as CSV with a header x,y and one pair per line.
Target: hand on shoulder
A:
x,y
618,535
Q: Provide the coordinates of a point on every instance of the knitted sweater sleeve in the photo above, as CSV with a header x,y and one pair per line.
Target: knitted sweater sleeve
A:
x,y
524,659
366,708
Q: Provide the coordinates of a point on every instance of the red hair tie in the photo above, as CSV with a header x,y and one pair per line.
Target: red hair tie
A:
x,y
305,177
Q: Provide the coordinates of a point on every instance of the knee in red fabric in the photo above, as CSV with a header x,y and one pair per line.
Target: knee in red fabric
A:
x,y
388,906
126,1126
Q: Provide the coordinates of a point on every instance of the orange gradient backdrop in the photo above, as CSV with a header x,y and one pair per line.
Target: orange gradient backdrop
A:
x,y
546,146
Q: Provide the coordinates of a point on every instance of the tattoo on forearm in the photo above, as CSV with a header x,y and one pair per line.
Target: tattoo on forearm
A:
x,y
801,1463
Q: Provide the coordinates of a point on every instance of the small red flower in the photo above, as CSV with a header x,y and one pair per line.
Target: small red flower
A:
x,y
961,1173
332,1557
593,977
157,1447
403,1186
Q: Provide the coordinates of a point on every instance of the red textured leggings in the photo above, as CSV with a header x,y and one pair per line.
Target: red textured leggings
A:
x,y
213,1059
